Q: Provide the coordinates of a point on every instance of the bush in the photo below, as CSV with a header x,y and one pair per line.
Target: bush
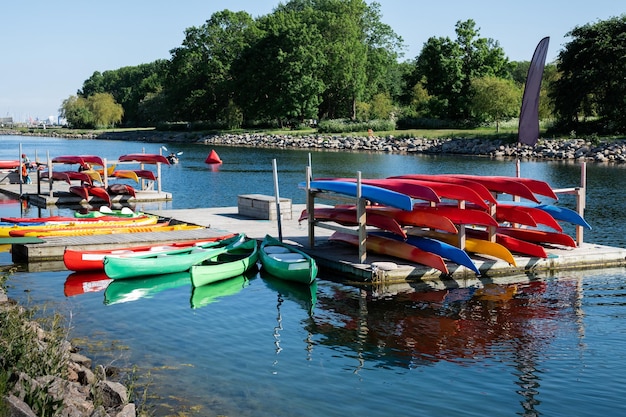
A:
x,y
348,126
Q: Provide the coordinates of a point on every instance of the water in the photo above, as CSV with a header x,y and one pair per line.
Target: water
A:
x,y
548,345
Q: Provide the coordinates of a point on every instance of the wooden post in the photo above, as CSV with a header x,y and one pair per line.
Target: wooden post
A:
x,y
361,220
49,161
310,208
581,202
158,177
20,168
105,174
278,213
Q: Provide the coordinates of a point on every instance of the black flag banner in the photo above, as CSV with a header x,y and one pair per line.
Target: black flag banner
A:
x,y
528,131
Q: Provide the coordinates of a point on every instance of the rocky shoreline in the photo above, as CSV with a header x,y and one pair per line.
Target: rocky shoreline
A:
x,y
83,391
572,149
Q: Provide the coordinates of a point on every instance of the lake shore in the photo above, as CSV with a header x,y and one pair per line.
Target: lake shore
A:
x,y
574,149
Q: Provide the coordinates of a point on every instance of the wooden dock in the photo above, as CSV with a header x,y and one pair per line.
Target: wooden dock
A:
x,y
335,258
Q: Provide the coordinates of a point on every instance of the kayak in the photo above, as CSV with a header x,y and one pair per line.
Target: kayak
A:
x,y
146,158
78,159
125,212
396,248
458,215
415,218
74,224
133,289
287,262
92,260
235,260
92,231
370,192
166,262
348,217
125,173
121,189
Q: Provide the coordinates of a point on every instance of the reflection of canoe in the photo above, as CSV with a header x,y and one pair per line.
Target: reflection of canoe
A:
x,y
126,290
211,293
84,260
176,260
287,262
146,158
235,260
82,282
398,249
302,294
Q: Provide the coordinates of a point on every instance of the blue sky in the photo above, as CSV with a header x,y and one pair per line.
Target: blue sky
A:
x,y
47,49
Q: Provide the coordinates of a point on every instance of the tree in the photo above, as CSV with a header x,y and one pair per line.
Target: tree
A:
x,y
495,99
76,111
592,82
106,112
446,68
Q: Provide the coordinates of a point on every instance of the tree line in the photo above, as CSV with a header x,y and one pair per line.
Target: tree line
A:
x,y
314,61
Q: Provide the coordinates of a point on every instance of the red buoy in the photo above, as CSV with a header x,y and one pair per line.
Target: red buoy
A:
x,y
213,158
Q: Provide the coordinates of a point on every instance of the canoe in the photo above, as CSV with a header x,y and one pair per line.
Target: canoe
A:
x,y
458,215
121,189
133,289
395,248
348,217
415,218
126,173
538,236
110,230
448,191
513,244
176,260
56,176
145,158
480,189
9,164
286,261
78,283
369,192
235,260
474,245
92,260
443,249
125,212
413,190
212,293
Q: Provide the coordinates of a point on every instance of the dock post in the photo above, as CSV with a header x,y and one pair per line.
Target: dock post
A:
x,y
277,195
20,169
310,208
158,177
581,202
49,162
105,173
361,220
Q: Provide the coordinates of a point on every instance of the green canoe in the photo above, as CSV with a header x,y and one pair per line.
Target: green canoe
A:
x,y
235,260
287,262
176,260
133,289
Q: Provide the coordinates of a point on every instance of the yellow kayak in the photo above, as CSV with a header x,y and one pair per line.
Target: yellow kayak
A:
x,y
126,173
111,230
19,230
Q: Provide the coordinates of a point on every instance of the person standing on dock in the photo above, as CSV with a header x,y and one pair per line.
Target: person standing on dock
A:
x,y
25,177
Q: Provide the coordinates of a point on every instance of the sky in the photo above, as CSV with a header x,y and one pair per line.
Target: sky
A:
x,y
48,49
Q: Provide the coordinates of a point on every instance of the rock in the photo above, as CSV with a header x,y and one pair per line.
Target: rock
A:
x,y
113,394
17,407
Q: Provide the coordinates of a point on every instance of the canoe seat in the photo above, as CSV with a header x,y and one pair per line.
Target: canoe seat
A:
x,y
288,257
275,249
161,248
197,250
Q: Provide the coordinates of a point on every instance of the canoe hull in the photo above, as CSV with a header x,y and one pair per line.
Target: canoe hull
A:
x,y
235,260
276,259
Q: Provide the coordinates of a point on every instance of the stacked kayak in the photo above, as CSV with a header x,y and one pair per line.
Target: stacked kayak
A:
x,y
464,211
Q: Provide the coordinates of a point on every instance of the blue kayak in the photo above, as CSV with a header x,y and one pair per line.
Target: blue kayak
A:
x,y
370,192
559,213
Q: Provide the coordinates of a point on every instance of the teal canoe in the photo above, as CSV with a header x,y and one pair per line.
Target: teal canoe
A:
x,y
176,260
235,260
286,262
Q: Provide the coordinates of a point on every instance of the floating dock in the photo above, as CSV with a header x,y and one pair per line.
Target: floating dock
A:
x,y
336,258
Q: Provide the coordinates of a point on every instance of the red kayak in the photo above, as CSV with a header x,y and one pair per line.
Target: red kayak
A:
x,y
80,191
57,176
348,217
12,164
416,218
540,216
513,244
505,185
396,248
121,189
78,159
538,236
145,174
413,190
92,260
100,193
480,189
145,158
459,215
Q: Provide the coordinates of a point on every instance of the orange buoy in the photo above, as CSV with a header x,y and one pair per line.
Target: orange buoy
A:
x,y
213,158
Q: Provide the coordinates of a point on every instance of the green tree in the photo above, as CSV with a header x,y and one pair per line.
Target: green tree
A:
x,y
495,99
200,82
75,110
446,68
592,82
106,112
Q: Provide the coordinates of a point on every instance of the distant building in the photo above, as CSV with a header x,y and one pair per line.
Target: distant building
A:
x,y
6,121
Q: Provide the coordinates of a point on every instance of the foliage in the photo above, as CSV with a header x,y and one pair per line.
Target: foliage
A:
x,y
97,111
495,99
592,78
349,126
445,69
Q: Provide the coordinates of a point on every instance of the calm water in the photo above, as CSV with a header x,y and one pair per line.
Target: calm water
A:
x,y
547,345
